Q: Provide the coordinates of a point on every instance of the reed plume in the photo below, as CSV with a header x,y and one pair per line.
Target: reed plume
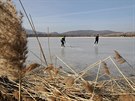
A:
x,y
13,40
29,68
56,71
49,69
69,81
52,71
119,58
105,68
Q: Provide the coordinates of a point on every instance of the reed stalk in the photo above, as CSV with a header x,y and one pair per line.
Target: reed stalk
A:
x,y
49,45
90,67
34,30
122,74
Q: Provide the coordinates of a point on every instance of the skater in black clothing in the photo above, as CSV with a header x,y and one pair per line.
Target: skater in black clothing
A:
x,y
96,39
63,41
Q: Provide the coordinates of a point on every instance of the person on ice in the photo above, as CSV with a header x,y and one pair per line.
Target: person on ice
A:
x,y
63,41
96,39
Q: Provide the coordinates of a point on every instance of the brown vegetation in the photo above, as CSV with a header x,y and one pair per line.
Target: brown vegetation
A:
x,y
51,83
13,41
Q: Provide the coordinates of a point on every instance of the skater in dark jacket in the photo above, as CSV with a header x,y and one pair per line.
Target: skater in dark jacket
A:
x,y
63,41
96,39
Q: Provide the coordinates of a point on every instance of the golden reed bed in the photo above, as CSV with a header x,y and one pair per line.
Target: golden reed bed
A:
x,y
49,82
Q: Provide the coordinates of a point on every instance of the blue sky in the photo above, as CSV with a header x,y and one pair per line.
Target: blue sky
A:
x,y
68,15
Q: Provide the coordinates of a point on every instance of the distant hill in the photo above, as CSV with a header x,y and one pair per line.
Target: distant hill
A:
x,y
77,33
87,32
30,33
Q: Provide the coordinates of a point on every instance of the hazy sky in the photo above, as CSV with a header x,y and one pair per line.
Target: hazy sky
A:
x,y
67,15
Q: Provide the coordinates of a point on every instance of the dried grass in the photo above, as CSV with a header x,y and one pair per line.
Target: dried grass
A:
x,y
56,93
89,88
50,84
56,71
27,99
126,98
51,98
30,68
16,95
69,81
98,98
58,90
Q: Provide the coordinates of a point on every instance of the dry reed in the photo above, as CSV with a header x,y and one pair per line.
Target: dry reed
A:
x,y
16,95
119,58
69,81
51,98
97,98
126,98
56,70
29,68
105,68
27,99
13,44
87,87
37,86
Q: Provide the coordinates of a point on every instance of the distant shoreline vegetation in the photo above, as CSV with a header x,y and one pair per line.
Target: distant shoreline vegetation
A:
x,y
33,35
82,33
61,35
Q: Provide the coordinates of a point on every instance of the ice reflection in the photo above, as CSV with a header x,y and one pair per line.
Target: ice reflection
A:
x,y
63,52
96,49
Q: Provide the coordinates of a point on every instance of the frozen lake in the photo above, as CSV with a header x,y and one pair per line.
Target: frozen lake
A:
x,y
81,52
